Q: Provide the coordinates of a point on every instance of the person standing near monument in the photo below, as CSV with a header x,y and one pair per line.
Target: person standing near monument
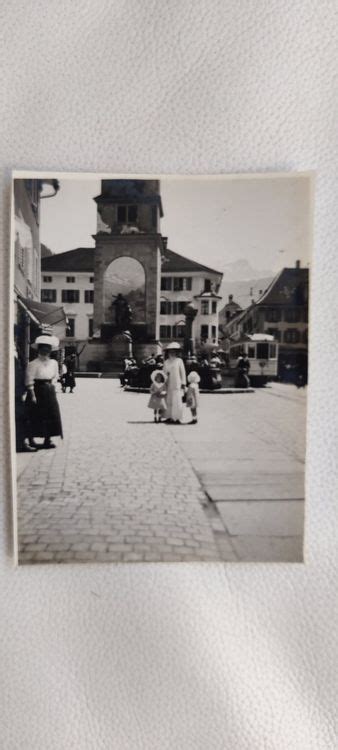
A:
x,y
175,371
41,375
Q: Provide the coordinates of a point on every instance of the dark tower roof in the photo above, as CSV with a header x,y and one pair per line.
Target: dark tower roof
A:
x,y
130,191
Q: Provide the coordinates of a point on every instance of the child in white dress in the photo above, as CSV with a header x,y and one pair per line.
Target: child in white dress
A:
x,y
157,394
192,395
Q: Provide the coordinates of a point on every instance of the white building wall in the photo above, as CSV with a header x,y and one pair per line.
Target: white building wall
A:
x,y
197,286
81,311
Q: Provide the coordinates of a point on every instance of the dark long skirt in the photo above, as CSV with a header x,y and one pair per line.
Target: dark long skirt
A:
x,y
44,416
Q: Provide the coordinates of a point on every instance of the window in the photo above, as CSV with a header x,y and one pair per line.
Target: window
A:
x,y
47,279
291,336
292,315
213,332
207,285
179,307
204,332
70,330
165,332
205,307
178,332
182,283
90,327
48,295
274,332
89,295
91,279
70,295
166,283
272,351
70,279
126,214
273,315
214,306
251,352
262,351
165,307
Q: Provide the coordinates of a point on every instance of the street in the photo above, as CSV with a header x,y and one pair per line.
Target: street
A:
x,y
120,488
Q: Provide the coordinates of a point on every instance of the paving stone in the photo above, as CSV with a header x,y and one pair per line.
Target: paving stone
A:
x,y
263,518
269,549
85,494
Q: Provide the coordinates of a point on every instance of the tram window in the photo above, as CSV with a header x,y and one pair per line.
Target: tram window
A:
x,y
262,351
272,351
251,352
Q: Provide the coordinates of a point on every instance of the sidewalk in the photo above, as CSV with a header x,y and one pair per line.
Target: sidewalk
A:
x,y
122,489
255,478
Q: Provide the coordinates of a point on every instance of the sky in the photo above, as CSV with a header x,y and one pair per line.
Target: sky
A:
x,y
265,220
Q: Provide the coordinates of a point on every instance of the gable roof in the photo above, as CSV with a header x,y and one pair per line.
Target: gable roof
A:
x,y
290,286
176,262
80,259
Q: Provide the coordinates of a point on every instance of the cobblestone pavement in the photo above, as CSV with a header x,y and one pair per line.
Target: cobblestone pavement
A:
x,y
122,489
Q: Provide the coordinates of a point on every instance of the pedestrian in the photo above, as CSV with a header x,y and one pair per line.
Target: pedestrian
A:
x,y
23,437
69,380
176,384
192,395
157,394
41,376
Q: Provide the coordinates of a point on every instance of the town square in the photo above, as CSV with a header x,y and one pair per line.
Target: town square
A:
x,y
169,393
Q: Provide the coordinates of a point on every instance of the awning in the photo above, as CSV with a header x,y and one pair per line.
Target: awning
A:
x,y
43,313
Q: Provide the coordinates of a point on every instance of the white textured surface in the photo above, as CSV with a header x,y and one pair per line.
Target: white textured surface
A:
x,y
196,656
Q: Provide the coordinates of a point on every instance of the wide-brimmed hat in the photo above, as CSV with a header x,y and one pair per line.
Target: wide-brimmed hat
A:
x,y
158,372
51,341
174,346
193,377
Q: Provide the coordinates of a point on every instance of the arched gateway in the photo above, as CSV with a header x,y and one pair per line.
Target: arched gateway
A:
x,y
129,212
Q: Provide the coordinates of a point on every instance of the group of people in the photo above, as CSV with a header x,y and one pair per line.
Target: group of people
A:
x,y
169,390
37,410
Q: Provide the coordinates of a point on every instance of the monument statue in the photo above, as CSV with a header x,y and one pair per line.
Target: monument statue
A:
x,y
123,312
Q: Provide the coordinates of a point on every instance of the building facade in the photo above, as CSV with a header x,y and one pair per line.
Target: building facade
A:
x,y
68,279
282,311
30,316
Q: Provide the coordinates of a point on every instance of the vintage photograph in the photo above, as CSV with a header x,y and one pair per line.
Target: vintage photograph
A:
x,y
160,367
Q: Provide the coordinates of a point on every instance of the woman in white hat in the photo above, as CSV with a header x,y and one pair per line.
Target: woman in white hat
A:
x,y
176,383
41,375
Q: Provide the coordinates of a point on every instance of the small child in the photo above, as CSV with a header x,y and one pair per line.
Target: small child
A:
x,y
192,395
157,394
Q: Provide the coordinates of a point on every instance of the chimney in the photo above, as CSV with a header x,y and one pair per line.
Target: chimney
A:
x,y
297,263
231,296
165,242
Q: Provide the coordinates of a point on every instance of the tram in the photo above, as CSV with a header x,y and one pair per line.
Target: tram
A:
x,y
262,352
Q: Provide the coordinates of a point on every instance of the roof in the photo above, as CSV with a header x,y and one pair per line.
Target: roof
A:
x,y
290,286
80,259
207,295
173,262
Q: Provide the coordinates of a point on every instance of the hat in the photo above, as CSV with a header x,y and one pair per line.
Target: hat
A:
x,y
158,372
193,377
174,346
51,341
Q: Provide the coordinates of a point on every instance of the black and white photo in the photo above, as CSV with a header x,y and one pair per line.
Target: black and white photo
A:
x,y
160,367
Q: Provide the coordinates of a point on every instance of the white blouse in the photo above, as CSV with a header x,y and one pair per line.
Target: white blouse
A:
x,y
39,369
